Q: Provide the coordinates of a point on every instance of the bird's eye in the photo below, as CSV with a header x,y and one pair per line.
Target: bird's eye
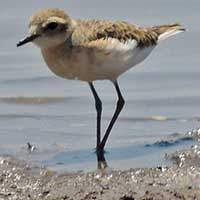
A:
x,y
52,26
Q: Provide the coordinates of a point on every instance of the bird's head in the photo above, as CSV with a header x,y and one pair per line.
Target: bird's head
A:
x,y
49,28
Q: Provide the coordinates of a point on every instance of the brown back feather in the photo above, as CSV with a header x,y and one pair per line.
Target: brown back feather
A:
x,y
92,30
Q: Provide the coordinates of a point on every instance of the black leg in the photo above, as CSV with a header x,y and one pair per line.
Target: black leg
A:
x,y
120,105
98,106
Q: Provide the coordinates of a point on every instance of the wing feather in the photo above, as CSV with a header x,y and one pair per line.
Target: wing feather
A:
x,y
91,33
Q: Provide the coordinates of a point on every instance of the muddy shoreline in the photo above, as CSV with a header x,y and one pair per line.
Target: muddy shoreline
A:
x,y
20,180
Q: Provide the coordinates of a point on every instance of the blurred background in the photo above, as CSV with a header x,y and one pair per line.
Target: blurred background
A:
x,y
58,116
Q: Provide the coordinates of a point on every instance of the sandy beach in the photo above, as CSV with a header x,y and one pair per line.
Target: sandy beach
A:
x,y
180,181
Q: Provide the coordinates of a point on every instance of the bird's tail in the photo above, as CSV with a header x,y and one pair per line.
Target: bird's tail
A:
x,y
166,31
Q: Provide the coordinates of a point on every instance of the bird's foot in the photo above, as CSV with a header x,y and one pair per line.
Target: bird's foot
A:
x,y
101,161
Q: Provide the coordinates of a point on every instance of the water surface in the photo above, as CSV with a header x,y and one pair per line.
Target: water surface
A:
x,y
58,116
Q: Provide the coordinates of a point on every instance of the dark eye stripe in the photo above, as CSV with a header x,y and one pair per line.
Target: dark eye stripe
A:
x,y
52,26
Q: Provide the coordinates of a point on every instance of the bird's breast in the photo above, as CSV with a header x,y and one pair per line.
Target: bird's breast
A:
x,y
71,64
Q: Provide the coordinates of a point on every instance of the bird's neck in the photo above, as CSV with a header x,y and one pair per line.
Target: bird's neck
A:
x,y
56,50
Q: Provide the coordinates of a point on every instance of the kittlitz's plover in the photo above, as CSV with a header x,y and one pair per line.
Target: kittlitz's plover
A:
x,y
90,50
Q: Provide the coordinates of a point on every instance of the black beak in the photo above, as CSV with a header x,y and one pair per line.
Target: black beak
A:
x,y
27,39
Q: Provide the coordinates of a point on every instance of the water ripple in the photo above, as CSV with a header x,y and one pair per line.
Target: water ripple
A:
x,y
35,100
168,143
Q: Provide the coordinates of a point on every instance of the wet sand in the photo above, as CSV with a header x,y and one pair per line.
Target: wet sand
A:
x,y
20,180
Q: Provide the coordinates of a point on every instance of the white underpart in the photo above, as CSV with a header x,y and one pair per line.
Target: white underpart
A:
x,y
116,46
122,56
168,34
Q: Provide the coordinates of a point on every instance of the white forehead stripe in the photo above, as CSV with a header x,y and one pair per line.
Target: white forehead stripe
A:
x,y
54,19
32,29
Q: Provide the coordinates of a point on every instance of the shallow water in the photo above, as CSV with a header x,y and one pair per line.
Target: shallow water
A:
x,y
58,116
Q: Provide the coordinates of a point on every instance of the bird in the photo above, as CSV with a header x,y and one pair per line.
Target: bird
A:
x,y
91,50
